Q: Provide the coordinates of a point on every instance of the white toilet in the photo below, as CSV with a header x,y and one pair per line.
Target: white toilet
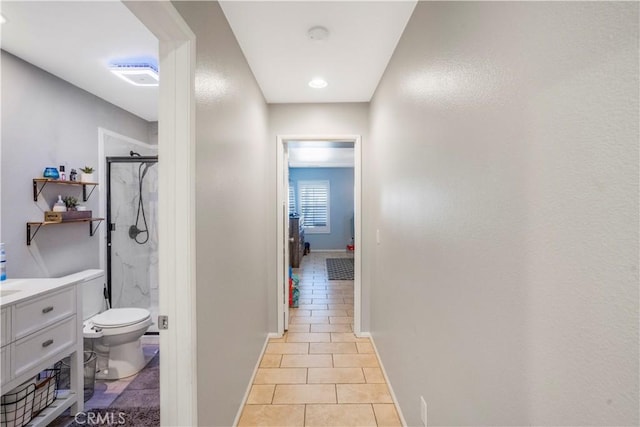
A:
x,y
116,331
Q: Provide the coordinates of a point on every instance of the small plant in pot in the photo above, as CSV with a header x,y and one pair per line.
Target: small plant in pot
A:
x,y
70,202
86,174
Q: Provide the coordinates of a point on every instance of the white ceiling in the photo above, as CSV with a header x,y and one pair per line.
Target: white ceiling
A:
x,y
77,40
273,37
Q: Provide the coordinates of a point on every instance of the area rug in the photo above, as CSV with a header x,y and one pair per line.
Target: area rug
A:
x,y
144,390
340,268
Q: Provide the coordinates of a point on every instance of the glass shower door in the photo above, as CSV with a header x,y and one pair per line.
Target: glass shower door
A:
x,y
132,236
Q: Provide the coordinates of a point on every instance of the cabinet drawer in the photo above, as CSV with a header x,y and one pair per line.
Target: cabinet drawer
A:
x,y
30,351
5,326
36,314
5,364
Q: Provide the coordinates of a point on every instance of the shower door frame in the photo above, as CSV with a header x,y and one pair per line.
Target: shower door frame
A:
x,y
110,160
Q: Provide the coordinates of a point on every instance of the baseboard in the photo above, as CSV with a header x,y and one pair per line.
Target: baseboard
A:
x,y
253,375
386,378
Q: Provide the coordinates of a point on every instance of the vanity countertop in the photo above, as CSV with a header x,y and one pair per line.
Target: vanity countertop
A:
x,y
16,290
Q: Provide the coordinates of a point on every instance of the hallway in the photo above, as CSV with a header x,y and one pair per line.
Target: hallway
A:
x,y
320,373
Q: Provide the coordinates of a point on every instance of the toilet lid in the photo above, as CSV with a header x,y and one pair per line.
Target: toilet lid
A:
x,y
120,317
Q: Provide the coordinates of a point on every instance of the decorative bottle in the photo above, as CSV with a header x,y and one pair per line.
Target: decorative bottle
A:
x,y
3,263
63,176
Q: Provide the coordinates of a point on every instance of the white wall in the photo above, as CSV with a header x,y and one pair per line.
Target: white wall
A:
x,y
319,119
233,239
504,137
49,122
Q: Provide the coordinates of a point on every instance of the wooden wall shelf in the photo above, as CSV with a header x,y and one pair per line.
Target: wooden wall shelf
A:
x,y
40,183
38,224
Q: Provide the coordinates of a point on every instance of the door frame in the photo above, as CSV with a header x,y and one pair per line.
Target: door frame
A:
x,y
176,209
283,232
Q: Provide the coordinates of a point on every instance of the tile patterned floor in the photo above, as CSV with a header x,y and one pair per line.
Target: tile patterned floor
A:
x,y
319,373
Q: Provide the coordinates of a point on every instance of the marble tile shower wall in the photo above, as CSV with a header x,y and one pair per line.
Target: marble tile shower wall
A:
x,y
134,266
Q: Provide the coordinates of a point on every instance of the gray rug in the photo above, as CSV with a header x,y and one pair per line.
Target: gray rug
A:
x,y
340,268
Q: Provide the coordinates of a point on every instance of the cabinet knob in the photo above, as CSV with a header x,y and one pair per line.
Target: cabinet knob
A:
x,y
47,343
47,310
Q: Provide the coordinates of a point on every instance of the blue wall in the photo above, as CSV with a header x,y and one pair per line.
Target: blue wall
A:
x,y
340,203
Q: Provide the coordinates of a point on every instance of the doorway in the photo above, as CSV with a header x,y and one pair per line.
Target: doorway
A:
x,y
320,143
132,233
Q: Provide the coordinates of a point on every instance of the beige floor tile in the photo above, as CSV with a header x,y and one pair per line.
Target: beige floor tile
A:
x,y
355,360
299,327
287,348
271,361
365,347
341,320
308,337
297,312
346,336
279,339
335,376
341,327
339,415
281,376
309,320
304,301
342,313
272,415
340,306
305,393
386,415
373,375
328,301
362,393
307,361
313,306
261,394
333,347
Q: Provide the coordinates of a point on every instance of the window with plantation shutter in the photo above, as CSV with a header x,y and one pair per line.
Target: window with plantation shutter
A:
x,y
313,199
292,200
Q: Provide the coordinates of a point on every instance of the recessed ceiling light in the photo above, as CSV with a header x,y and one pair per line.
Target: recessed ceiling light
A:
x,y
318,33
318,83
137,74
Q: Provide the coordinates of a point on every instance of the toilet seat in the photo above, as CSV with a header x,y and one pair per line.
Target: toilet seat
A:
x,y
121,317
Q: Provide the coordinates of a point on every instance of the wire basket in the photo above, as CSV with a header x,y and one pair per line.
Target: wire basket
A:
x,y
89,364
24,402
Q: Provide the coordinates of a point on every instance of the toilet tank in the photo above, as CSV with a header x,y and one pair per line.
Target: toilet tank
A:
x,y
92,296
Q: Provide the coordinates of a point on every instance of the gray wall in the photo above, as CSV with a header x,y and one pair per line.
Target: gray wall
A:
x,y
49,122
232,197
322,119
340,205
505,140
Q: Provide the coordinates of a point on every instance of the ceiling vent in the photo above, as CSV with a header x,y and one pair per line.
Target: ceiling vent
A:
x,y
141,74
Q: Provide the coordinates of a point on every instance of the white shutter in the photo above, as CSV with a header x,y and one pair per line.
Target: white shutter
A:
x,y
292,200
314,205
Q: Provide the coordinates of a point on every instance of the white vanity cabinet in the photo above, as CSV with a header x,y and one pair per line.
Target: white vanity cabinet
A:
x,y
42,324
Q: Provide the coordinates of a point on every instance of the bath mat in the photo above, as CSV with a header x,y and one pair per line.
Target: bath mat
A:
x,y
144,390
340,268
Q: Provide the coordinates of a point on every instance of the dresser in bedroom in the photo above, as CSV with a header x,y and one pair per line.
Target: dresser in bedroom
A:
x,y
296,241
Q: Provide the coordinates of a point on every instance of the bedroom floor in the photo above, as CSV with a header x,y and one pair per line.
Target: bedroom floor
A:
x,y
319,373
